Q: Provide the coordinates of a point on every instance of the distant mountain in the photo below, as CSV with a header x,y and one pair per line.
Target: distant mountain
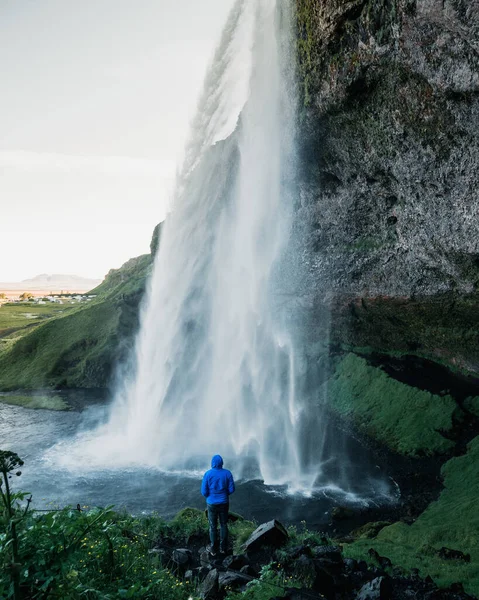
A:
x,y
53,282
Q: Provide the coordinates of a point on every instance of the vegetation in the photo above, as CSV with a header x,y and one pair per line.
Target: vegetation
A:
x,y
77,346
16,319
406,419
452,521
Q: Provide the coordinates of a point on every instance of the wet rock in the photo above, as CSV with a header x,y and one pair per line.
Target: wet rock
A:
x,y
449,554
209,587
350,564
332,553
232,580
157,552
248,570
271,533
235,562
377,589
201,573
182,557
189,575
205,558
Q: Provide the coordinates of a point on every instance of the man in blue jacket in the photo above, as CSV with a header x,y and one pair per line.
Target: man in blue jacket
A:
x,y
217,486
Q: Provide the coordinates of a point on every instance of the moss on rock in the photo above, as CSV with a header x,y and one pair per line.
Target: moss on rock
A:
x,y
452,521
406,419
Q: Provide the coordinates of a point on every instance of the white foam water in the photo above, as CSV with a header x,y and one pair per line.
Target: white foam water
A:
x,y
214,367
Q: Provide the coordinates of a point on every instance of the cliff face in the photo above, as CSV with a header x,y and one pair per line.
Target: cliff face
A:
x,y
390,172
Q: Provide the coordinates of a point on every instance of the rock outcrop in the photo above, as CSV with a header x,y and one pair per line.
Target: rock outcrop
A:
x,y
388,201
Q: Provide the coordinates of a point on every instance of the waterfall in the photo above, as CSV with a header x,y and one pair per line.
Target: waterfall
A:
x,y
214,366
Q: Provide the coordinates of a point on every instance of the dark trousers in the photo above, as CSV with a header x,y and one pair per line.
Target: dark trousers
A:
x,y
215,512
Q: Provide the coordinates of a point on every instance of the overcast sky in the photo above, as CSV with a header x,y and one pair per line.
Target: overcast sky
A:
x,y
95,102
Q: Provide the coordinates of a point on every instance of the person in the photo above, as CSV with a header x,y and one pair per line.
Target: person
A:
x,y
217,486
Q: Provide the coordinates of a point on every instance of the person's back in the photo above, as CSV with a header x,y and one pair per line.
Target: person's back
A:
x,y
217,486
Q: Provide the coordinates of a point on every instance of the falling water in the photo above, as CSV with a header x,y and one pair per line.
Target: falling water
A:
x,y
215,365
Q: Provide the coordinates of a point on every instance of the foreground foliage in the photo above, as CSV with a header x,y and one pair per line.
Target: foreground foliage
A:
x,y
75,554
452,521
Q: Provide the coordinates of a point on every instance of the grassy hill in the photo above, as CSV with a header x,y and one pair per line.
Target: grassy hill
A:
x,y
79,347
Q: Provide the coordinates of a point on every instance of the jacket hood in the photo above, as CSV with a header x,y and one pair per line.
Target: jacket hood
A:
x,y
216,462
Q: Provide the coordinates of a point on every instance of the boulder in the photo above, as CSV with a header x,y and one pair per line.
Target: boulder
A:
x,y
235,562
232,580
182,557
209,587
248,570
271,533
332,553
377,589
205,558
350,564
200,573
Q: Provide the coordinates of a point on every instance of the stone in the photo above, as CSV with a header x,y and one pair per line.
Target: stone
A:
x,y
205,558
182,557
235,562
332,553
201,573
350,564
189,575
232,580
377,589
271,533
209,587
248,570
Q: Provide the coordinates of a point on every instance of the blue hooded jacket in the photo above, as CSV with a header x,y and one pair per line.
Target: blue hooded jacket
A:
x,y
218,483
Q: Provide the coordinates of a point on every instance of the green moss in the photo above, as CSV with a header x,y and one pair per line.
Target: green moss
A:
x,y
35,402
370,530
451,521
472,405
406,419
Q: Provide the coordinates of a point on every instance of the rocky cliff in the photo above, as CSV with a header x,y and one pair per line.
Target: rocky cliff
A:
x,y
388,207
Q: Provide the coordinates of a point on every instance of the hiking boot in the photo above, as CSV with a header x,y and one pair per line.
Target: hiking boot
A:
x,y
211,551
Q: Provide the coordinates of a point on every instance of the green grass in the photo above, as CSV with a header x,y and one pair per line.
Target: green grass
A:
x,y
406,419
79,347
35,402
15,317
451,521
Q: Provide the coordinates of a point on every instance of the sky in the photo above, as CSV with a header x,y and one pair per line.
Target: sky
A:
x,y
95,104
